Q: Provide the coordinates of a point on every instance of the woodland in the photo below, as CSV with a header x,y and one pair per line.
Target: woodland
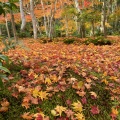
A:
x,y
59,59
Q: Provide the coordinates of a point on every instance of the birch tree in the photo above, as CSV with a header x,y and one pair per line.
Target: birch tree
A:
x,y
23,24
34,22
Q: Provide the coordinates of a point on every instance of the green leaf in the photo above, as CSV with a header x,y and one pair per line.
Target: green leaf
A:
x,y
1,83
4,69
3,57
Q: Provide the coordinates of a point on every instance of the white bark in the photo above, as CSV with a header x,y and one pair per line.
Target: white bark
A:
x,y
6,23
103,18
22,15
77,6
45,21
34,23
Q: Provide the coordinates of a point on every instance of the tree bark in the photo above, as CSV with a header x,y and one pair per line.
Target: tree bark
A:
x,y
34,23
13,25
22,16
7,28
103,18
45,20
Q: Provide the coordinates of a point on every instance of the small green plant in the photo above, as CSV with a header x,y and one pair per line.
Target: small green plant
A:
x,y
3,70
98,41
69,41
9,44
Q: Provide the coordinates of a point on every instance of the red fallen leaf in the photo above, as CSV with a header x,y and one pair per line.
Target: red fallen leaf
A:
x,y
69,113
68,102
34,100
39,117
84,100
95,110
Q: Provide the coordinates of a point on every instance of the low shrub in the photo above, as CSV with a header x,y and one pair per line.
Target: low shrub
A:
x,y
98,41
24,34
68,41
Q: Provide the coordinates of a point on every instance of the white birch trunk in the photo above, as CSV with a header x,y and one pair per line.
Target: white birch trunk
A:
x,y
34,23
22,15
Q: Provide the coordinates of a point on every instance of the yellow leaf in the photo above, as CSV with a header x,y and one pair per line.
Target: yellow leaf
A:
x,y
93,94
48,81
77,106
105,81
35,93
80,84
43,95
114,111
80,116
60,109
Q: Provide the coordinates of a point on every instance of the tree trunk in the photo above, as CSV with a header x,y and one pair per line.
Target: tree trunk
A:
x,y
77,6
93,28
45,20
66,24
6,23
22,16
13,25
34,23
103,18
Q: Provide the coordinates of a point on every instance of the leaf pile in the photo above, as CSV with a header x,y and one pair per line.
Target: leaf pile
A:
x,y
55,81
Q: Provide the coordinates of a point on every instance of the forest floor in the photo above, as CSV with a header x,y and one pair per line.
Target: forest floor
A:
x,y
56,81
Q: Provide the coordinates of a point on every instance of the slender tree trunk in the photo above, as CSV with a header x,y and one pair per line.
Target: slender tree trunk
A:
x,y
93,28
22,16
103,18
45,20
66,24
7,28
33,19
13,25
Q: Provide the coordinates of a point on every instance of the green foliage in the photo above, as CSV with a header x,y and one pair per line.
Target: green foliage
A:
x,y
3,69
24,34
9,44
68,41
98,41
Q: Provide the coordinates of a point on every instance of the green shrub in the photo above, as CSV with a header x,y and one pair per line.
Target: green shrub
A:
x,y
98,41
3,69
24,34
9,44
69,41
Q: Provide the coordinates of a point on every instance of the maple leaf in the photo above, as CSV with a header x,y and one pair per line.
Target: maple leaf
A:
x,y
80,116
77,106
3,109
43,95
84,100
34,100
114,111
95,110
54,78
35,93
60,109
93,94
48,81
26,105
27,116
5,103
69,113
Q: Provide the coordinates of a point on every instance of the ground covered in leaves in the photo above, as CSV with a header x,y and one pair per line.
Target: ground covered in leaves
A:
x,y
55,81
